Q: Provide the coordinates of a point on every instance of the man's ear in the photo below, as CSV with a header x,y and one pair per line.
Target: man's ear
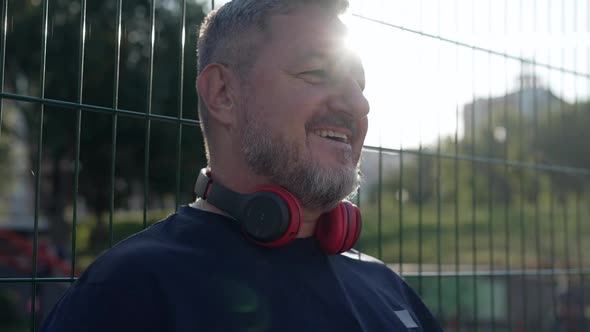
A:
x,y
216,88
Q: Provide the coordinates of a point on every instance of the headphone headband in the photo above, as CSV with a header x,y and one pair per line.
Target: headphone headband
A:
x,y
218,195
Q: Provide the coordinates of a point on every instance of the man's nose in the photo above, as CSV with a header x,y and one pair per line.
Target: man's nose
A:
x,y
348,97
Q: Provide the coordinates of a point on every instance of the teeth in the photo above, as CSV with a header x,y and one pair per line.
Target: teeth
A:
x,y
332,134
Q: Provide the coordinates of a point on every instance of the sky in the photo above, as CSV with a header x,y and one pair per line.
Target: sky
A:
x,y
418,85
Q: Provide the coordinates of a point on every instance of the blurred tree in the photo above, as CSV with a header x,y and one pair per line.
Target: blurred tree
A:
x,y
62,79
565,141
6,138
549,131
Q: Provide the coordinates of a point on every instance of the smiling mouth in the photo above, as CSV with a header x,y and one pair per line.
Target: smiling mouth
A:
x,y
333,135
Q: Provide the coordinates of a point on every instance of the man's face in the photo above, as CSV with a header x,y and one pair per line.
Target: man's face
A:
x,y
304,114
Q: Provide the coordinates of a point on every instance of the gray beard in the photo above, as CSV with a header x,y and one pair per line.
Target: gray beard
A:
x,y
274,157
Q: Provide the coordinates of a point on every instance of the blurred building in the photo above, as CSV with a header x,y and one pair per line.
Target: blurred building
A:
x,y
530,99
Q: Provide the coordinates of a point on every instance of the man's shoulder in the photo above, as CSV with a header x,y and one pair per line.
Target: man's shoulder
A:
x,y
367,261
126,259
173,241
365,272
363,262
364,268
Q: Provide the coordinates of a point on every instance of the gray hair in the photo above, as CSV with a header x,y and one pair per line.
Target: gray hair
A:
x,y
232,33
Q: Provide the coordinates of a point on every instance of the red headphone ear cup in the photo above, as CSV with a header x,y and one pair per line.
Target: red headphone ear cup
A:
x,y
355,225
295,216
339,228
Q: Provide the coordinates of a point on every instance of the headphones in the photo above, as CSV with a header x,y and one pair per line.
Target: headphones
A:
x,y
272,216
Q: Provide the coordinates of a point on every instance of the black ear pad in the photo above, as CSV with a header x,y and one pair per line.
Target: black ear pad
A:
x,y
264,216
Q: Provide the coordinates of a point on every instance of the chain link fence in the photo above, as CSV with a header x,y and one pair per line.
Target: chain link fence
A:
x,y
475,188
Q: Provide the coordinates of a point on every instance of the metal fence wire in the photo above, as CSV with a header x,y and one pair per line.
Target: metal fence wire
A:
x,y
487,220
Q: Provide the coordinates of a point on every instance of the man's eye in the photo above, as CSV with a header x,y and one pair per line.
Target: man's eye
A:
x,y
316,75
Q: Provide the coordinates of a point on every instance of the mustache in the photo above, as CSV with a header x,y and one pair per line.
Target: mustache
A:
x,y
334,119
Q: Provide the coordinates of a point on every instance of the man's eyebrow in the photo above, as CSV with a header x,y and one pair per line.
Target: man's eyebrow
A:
x,y
331,57
315,56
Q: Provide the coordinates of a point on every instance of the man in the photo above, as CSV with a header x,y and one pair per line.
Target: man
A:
x,y
264,247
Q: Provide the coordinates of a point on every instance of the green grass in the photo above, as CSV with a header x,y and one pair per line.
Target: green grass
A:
x,y
507,236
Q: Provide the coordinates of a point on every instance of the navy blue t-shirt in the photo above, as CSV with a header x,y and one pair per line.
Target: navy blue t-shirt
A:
x,y
194,271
